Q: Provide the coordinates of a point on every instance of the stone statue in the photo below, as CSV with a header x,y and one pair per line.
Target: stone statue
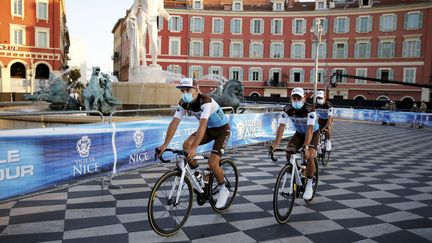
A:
x,y
98,94
134,54
55,93
230,95
143,17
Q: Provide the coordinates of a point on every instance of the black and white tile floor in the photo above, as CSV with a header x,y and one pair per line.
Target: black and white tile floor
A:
x,y
377,188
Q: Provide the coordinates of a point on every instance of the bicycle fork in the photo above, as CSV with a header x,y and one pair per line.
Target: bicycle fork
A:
x,y
184,171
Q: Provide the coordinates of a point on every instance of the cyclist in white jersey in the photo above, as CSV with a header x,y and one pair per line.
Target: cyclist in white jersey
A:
x,y
304,119
213,126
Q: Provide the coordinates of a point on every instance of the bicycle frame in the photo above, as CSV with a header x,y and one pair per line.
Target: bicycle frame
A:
x,y
295,172
183,165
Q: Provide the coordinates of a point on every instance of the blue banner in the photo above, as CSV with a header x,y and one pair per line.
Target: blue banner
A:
x,y
424,119
35,159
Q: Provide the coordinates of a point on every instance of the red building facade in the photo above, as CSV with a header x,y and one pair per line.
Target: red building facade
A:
x,y
270,46
34,42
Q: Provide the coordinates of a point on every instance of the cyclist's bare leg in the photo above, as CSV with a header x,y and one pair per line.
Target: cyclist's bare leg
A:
x,y
311,164
187,144
215,167
328,133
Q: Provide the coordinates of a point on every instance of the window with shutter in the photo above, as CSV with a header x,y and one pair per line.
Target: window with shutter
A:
x,y
42,10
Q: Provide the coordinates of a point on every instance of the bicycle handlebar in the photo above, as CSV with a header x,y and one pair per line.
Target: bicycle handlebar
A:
x,y
174,151
271,153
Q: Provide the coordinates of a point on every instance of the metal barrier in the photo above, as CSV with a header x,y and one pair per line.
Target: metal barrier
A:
x,y
241,109
138,110
228,108
48,113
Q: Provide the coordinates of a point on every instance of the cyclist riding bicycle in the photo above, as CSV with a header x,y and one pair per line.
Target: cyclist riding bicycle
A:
x,y
213,126
304,118
325,117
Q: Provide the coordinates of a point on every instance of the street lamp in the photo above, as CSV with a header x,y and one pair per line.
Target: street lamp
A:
x,y
317,30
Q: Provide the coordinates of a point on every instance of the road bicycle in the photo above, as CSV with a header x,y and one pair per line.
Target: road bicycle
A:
x,y
323,154
171,198
290,184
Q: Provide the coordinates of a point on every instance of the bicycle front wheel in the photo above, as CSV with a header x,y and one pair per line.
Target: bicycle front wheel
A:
x,y
231,183
284,195
165,216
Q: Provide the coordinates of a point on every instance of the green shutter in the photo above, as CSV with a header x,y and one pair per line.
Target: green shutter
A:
x,y
381,27
272,28
368,50
370,23
358,24
380,53
346,50
326,25
347,25
262,26
312,75
304,23
420,19
418,48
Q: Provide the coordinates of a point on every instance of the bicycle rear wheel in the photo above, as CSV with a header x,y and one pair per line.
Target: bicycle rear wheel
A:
x,y
315,181
164,215
325,158
231,183
283,199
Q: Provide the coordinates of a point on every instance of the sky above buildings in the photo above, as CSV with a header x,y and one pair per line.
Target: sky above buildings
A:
x,y
92,22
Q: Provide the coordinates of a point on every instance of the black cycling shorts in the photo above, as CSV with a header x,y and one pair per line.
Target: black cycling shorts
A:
x,y
220,135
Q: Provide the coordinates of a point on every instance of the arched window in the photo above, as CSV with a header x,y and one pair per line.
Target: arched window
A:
x,y
254,94
383,98
406,102
18,70
42,71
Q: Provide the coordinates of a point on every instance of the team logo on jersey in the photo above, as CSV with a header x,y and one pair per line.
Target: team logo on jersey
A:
x,y
83,146
138,138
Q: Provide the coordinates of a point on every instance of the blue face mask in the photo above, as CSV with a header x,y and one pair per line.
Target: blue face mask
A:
x,y
187,97
297,105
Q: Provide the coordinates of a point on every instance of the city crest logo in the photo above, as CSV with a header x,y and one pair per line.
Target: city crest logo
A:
x,y
83,146
138,138
241,130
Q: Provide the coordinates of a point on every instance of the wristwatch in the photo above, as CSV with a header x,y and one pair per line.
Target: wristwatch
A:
x,y
306,147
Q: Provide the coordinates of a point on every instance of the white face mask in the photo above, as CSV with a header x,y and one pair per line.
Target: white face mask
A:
x,y
320,101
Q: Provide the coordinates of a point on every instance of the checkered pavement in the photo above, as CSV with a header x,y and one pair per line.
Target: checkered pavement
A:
x,y
376,188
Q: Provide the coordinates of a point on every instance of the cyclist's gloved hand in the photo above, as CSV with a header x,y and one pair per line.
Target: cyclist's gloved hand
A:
x,y
191,154
306,153
159,150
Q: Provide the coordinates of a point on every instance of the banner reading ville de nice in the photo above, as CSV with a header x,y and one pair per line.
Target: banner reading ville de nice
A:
x,y
36,159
